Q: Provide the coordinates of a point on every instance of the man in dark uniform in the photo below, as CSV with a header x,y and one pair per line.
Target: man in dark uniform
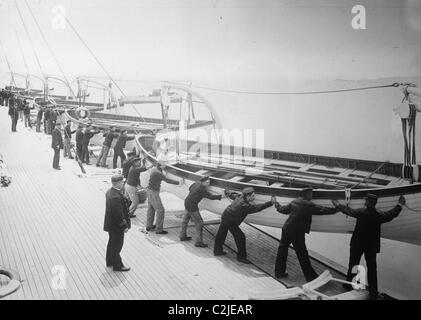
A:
x,y
79,139
233,216
198,191
297,225
13,112
27,114
68,139
56,144
154,200
116,223
133,183
119,148
47,128
39,118
106,145
87,135
128,163
366,236
53,119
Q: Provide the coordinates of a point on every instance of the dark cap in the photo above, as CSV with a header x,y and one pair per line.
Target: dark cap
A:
x,y
247,191
117,178
136,159
204,178
131,153
371,196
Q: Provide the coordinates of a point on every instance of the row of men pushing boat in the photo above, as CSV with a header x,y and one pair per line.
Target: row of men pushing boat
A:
x,y
121,205
122,201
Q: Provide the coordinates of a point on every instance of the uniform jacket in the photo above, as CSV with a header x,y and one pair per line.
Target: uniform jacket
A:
x,y
68,132
87,136
156,178
300,214
116,211
57,139
133,177
127,164
197,192
238,210
109,136
367,231
121,141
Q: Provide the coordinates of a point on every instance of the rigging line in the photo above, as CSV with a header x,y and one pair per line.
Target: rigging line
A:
x,y
5,56
295,93
21,50
29,37
100,64
48,45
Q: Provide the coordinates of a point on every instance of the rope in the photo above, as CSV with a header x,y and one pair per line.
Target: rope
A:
x,y
100,64
21,50
29,37
297,93
48,45
413,210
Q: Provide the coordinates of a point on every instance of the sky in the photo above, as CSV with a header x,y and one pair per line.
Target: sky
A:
x,y
210,40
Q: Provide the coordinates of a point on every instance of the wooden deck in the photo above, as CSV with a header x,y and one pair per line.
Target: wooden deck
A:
x,y
54,218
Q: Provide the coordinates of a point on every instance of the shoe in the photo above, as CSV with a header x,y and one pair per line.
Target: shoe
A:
x,y
243,260
71,157
185,238
122,269
97,165
132,216
162,232
222,253
57,168
201,245
150,228
282,275
311,278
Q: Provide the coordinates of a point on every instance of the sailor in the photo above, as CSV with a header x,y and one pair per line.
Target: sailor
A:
x,y
127,164
68,139
119,147
13,112
300,213
39,118
47,122
87,135
79,139
198,191
154,200
366,237
116,223
233,216
27,113
53,118
56,144
132,183
109,137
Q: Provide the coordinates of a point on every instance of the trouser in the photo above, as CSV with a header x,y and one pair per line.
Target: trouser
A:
x,y
118,153
56,158
27,119
155,205
67,147
198,222
85,154
38,127
14,123
239,238
297,238
131,192
370,255
114,246
79,151
21,115
102,158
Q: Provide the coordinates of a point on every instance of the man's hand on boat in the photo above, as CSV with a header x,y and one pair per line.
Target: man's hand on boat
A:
x,y
402,200
273,200
335,203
